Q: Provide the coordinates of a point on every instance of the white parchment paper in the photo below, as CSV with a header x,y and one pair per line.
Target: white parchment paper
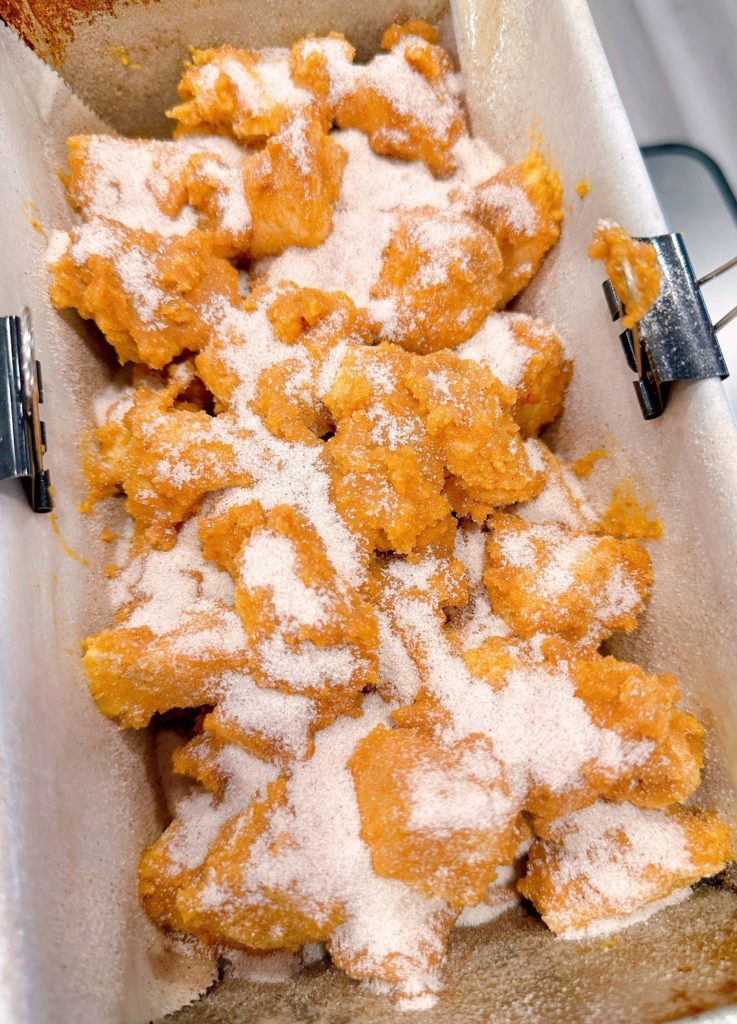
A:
x,y
78,798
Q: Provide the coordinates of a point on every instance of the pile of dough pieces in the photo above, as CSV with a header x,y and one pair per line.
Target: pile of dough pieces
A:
x,y
379,594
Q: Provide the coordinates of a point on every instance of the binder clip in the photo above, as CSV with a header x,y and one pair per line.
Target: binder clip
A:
x,y
676,339
22,432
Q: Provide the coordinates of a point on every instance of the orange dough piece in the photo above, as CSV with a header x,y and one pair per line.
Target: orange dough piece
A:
x,y
147,184
292,185
404,100
314,62
528,355
439,279
543,578
660,748
404,424
214,184
651,853
263,916
414,27
312,328
623,697
320,321
149,295
166,459
632,267
310,633
467,413
134,673
522,206
439,818
173,861
387,475
293,869
269,724
101,168
246,93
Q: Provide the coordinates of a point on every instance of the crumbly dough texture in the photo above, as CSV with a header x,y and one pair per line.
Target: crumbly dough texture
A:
x,y
368,597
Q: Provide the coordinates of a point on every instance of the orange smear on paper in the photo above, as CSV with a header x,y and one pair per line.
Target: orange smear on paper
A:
x,y
583,188
628,517
31,210
64,546
121,52
584,466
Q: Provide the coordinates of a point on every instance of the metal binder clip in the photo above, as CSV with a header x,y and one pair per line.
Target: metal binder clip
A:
x,y
22,433
676,339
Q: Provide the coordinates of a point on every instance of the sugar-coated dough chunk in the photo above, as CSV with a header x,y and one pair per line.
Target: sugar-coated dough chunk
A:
x,y
617,724
257,914
290,397
292,185
405,100
165,459
543,578
406,103
387,475
639,706
561,500
268,723
528,355
247,93
440,818
468,418
404,427
148,294
176,639
134,673
136,182
165,187
172,862
319,63
601,865
213,181
439,279
304,331
309,632
522,206
294,869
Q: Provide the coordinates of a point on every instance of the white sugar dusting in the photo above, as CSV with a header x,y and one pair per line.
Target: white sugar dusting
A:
x,y
384,918
562,500
282,719
617,854
497,346
467,797
374,191
269,560
513,202
200,817
128,180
